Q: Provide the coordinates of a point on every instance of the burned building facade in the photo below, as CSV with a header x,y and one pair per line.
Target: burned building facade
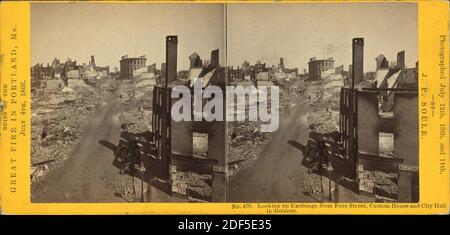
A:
x,y
39,71
129,65
234,74
317,67
260,72
191,154
397,76
70,69
380,152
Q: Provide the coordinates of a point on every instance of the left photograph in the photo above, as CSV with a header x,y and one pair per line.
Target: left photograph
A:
x,y
102,77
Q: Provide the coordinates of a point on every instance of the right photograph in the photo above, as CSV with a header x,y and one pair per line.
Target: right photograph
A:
x,y
344,127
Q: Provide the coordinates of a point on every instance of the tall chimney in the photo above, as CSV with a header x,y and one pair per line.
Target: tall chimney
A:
x,y
401,59
215,58
357,61
171,58
282,62
93,61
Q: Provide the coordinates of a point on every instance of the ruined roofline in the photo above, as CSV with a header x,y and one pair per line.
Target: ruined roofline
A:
x,y
316,60
134,58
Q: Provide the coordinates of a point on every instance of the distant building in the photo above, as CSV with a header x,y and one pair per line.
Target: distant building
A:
x,y
317,67
40,72
57,68
102,71
129,65
293,71
92,71
260,67
70,69
245,66
234,74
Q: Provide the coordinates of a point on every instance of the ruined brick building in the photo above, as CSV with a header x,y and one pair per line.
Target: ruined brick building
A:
x,y
317,67
191,154
379,131
128,66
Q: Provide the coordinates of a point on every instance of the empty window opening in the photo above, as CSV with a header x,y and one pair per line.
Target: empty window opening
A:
x,y
200,144
385,107
386,144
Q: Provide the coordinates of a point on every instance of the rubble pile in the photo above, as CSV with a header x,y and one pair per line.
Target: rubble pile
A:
x,y
123,187
386,184
323,121
57,118
246,133
138,92
108,85
127,95
383,185
136,121
324,96
312,184
289,92
246,139
136,98
191,184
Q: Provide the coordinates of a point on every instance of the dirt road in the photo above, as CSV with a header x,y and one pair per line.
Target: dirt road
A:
x,y
277,175
88,174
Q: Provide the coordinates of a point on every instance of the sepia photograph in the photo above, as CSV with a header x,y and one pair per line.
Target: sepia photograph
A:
x,y
267,102
101,118
348,125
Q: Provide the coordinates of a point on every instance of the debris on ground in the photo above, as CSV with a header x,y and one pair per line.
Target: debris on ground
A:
x,y
378,183
123,186
192,184
57,119
324,97
245,138
136,99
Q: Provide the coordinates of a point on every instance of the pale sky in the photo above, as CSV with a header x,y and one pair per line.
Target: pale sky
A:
x,y
263,32
298,32
108,31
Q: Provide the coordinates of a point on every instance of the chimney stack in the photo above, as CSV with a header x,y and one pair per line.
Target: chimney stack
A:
x,y
401,59
215,58
357,61
282,62
92,61
171,58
